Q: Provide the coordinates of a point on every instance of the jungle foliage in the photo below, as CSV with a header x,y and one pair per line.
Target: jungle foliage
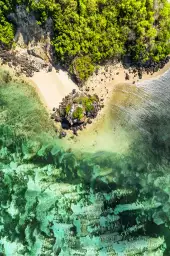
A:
x,y
90,32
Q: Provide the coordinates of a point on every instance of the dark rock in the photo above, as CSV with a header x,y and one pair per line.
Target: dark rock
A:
x,y
97,71
140,74
53,116
65,125
58,119
95,114
73,91
62,134
50,68
75,131
89,121
127,77
106,69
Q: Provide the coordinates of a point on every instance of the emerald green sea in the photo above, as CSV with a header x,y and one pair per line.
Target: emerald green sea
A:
x,y
111,198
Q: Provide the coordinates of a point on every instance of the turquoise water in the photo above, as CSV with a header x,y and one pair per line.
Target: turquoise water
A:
x,y
110,201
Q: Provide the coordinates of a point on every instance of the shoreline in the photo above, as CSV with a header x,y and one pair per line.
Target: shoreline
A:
x,y
104,83
105,89
52,87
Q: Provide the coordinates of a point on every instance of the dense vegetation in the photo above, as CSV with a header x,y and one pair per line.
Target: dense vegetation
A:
x,y
88,32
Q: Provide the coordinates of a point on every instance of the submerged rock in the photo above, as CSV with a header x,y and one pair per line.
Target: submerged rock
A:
x,y
62,134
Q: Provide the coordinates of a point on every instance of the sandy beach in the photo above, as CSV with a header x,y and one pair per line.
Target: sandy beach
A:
x,y
54,86
105,81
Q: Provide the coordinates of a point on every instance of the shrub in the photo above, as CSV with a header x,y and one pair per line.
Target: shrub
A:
x,y
68,107
87,102
78,113
82,67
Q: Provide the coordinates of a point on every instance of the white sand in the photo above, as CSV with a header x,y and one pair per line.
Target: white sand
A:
x,y
53,86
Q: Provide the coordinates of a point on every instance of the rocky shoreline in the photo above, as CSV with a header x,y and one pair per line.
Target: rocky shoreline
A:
x,y
76,111
138,70
28,61
149,67
24,62
72,114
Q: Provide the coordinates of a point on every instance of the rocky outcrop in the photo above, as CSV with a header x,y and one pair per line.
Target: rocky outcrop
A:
x,y
76,111
149,67
33,50
23,62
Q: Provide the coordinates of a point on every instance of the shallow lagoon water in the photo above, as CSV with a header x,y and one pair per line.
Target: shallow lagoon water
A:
x,y
109,199
114,131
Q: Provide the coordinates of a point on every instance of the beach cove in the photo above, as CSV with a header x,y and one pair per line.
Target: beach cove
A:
x,y
115,90
107,132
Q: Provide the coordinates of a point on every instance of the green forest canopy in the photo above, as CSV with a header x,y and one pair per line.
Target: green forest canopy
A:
x,y
88,32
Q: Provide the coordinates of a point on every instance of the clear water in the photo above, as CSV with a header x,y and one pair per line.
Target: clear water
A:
x,y
109,198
